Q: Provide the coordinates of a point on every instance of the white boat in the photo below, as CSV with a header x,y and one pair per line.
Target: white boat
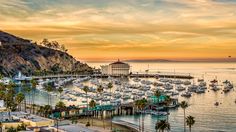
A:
x,y
180,88
200,90
186,94
168,86
177,82
140,93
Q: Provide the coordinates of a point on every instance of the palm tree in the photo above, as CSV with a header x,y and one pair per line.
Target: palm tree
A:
x,y
47,110
162,126
48,88
100,90
0,126
28,90
60,90
157,94
184,105
33,86
19,98
60,106
137,104
92,104
190,122
168,101
141,105
74,120
86,90
110,86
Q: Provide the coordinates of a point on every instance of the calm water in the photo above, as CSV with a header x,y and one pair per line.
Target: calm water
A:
x,y
208,117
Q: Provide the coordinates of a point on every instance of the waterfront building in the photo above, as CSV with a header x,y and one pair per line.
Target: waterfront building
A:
x,y
17,118
117,68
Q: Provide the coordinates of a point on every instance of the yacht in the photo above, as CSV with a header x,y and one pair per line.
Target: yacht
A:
x,y
168,86
186,94
180,88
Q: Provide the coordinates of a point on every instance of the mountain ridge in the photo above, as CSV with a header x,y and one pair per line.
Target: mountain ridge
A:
x,y
18,54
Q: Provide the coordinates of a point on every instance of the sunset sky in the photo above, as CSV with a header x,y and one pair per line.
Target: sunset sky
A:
x,y
127,29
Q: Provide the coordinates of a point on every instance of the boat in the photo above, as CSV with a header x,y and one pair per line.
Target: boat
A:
x,y
192,88
140,93
226,82
177,82
125,97
200,80
187,82
180,88
159,113
136,79
186,94
200,90
215,88
202,83
174,93
168,86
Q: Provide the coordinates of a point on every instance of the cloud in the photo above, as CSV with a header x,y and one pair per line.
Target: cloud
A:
x,y
128,27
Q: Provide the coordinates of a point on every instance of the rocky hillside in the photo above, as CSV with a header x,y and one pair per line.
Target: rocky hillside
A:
x,y
17,54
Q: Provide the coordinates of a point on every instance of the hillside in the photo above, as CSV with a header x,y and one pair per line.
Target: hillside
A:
x,y
17,54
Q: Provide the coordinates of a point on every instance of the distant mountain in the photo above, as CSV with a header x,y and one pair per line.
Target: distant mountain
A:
x,y
18,54
149,60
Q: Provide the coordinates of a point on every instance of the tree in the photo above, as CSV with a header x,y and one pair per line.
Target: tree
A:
x,y
92,104
184,105
49,89
157,94
45,42
162,126
190,122
0,126
74,120
100,90
11,129
86,90
19,98
110,86
60,90
27,90
34,83
47,110
141,104
63,48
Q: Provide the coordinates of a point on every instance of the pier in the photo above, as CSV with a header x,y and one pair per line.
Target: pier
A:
x,y
150,75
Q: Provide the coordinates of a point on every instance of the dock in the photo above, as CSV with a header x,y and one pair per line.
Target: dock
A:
x,y
177,76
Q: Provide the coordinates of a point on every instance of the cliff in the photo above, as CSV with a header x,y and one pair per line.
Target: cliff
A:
x,y
18,54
